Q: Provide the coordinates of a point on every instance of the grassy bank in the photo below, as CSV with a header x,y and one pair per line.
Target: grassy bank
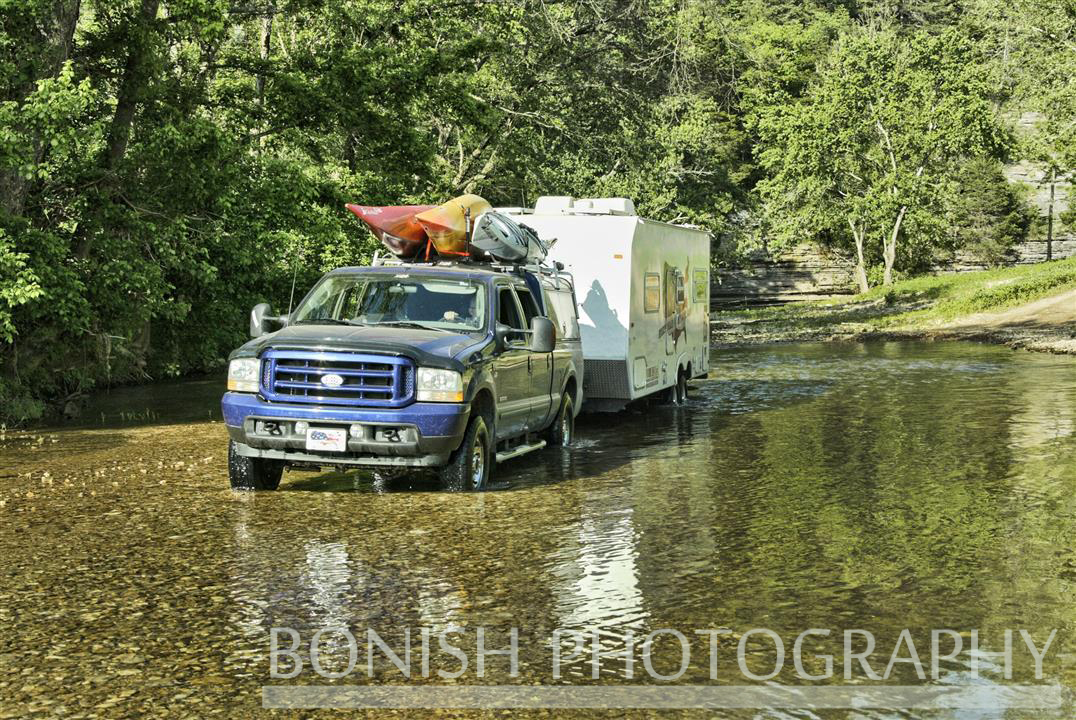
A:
x,y
1026,306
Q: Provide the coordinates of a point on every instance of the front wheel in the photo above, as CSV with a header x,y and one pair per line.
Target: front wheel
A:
x,y
247,473
562,432
468,468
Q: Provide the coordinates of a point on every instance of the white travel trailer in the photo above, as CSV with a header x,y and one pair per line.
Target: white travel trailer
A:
x,y
643,289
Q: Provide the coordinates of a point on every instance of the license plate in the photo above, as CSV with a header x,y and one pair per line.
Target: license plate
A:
x,y
333,439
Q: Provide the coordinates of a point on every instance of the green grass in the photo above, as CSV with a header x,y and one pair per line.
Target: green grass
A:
x,y
923,301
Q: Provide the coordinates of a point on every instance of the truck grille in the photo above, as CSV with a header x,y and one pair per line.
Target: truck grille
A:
x,y
370,380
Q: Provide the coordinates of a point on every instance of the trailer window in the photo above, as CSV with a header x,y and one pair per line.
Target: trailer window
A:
x,y
701,286
651,292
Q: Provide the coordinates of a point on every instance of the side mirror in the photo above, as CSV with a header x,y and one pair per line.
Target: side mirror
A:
x,y
262,321
543,335
501,333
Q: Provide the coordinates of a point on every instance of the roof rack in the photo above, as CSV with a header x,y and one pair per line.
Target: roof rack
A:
x,y
554,272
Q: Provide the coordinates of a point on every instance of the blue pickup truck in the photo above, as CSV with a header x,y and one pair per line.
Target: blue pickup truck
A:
x,y
448,366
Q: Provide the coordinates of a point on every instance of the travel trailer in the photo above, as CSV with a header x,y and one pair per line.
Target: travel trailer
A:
x,y
643,289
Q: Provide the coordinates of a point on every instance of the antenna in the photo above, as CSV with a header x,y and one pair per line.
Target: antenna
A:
x,y
294,274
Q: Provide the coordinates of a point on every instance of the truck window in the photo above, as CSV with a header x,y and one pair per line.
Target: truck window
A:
x,y
530,308
508,314
380,300
562,312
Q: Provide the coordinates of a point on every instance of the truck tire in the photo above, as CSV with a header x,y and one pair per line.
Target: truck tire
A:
x,y
247,473
469,467
562,432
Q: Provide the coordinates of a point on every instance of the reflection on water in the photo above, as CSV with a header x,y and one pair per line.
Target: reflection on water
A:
x,y
878,486
598,573
168,401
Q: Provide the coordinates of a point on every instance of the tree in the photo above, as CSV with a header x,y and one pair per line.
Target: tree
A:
x,y
865,155
986,214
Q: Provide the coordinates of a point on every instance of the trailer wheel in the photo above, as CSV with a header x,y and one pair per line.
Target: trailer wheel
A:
x,y
247,473
675,394
469,467
681,387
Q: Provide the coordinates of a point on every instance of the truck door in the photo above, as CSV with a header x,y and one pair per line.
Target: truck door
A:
x,y
510,371
541,369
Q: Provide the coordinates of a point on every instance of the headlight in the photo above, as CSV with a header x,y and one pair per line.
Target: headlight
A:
x,y
243,374
434,385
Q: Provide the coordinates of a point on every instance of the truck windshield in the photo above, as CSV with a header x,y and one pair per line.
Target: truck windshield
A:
x,y
406,300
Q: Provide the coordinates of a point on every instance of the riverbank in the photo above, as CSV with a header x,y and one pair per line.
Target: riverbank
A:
x,y
1029,307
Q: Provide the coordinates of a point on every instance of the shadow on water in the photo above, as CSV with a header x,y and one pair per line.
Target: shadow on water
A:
x,y
606,441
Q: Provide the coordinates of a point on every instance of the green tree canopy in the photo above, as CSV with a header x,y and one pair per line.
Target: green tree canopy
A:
x,y
864,157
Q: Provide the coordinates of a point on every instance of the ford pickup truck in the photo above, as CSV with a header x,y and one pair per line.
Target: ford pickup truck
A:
x,y
447,366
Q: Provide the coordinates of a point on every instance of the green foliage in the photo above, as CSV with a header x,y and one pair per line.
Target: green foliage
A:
x,y
165,163
863,158
18,285
960,294
987,216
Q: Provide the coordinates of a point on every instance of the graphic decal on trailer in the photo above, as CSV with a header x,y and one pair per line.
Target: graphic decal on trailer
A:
x,y
675,326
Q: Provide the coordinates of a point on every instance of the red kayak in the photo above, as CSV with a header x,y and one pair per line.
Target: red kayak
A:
x,y
395,226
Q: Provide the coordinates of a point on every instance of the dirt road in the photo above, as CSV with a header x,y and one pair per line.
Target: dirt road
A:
x,y
1047,324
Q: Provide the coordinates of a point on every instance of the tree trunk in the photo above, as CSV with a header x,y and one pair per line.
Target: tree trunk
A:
x,y
265,45
889,247
350,141
14,186
861,263
135,79
1050,217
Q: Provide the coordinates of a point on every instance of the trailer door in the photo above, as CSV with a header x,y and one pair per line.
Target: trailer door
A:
x,y
675,307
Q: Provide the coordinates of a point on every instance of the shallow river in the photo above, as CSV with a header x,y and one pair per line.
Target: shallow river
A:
x,y
875,487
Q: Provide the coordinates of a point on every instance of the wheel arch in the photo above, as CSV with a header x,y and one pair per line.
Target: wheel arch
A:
x,y
483,404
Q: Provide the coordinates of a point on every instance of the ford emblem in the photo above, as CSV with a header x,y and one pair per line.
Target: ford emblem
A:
x,y
332,380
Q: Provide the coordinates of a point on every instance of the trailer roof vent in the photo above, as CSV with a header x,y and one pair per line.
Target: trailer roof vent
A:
x,y
606,206
552,205
564,205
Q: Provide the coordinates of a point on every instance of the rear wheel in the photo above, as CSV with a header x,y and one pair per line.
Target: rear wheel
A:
x,y
469,467
247,473
681,387
676,394
562,432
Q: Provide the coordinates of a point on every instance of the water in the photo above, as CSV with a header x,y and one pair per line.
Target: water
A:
x,y
882,487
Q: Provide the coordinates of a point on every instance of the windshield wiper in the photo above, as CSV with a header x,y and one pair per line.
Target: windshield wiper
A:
x,y
410,324
328,321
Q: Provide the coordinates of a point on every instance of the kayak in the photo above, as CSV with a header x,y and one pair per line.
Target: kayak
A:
x,y
507,239
447,225
395,226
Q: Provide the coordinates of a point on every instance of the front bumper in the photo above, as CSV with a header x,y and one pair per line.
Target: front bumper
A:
x,y
419,435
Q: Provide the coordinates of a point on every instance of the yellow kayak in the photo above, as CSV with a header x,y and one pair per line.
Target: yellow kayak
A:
x,y
446,225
